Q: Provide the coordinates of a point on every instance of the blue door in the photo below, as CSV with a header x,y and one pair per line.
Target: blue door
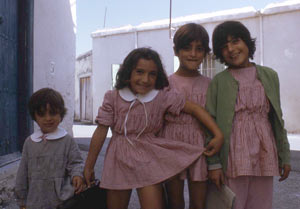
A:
x,y
8,76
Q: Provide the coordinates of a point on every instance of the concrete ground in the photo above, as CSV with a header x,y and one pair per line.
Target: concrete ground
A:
x,y
286,193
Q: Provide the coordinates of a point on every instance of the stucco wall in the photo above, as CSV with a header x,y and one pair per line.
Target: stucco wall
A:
x,y
54,50
281,52
107,50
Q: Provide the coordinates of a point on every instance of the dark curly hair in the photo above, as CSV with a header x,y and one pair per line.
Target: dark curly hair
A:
x,y
188,33
236,30
130,62
39,100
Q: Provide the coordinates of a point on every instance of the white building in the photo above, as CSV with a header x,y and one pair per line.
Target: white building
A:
x,y
55,50
275,27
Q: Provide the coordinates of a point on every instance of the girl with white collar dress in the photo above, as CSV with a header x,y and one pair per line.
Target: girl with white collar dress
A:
x,y
51,168
136,157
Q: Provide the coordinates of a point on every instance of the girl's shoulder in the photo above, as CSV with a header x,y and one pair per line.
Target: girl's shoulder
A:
x,y
265,70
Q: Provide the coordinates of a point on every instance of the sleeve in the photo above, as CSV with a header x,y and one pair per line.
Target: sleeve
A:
x,y
106,111
283,145
174,101
211,107
21,187
75,161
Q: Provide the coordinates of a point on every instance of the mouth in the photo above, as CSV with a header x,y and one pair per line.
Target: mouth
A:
x,y
234,56
48,125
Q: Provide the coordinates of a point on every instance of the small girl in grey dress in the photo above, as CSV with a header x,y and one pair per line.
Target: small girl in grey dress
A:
x,y
51,167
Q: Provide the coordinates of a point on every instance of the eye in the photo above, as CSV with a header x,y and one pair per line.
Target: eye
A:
x,y
186,47
235,40
153,73
139,71
201,49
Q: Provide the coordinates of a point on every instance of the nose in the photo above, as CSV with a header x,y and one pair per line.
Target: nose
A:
x,y
48,116
145,78
193,52
229,47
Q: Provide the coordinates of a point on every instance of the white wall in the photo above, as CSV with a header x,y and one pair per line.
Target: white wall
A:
x,y
281,52
107,50
276,30
54,50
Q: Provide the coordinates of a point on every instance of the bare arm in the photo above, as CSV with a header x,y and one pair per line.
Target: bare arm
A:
x,y
97,142
204,117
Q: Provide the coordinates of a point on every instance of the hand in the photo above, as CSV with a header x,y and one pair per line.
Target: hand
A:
x,y
22,207
78,184
89,176
284,172
217,177
213,146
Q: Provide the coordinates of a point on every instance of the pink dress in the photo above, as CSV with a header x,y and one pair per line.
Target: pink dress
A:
x,y
135,156
185,127
252,144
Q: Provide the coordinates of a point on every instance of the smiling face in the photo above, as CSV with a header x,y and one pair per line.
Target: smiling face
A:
x,y
190,57
143,77
236,53
48,121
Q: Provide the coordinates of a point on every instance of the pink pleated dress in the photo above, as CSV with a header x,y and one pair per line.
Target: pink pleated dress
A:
x,y
185,127
252,144
135,156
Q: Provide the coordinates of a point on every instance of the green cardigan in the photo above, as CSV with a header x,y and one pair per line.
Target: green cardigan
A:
x,y
220,103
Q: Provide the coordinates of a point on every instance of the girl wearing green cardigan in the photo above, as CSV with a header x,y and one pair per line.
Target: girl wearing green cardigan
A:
x,y
244,99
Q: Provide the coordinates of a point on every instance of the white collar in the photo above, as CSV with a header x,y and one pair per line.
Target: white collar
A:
x,y
128,96
58,133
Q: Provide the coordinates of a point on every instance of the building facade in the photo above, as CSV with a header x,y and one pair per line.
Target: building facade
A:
x,y
275,27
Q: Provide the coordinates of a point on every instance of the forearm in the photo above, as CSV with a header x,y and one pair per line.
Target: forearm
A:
x,y
96,144
204,117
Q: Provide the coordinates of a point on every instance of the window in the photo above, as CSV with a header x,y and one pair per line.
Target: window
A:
x,y
209,67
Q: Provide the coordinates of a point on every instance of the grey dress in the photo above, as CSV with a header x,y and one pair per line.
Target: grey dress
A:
x,y
45,172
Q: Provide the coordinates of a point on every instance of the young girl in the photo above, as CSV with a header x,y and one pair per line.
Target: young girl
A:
x,y
245,101
136,157
190,46
51,168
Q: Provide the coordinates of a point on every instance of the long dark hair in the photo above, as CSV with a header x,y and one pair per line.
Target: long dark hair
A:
x,y
130,62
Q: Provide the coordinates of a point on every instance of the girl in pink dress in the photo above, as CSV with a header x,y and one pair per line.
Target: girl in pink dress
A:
x,y
190,46
245,101
136,157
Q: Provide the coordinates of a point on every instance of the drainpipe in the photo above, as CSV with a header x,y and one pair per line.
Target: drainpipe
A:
x,y
135,39
170,22
261,33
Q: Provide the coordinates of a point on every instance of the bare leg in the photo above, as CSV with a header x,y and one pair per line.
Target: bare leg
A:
x,y
151,197
175,188
118,199
197,193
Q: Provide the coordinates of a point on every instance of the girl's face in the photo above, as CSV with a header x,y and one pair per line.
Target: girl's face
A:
x,y
191,56
236,53
143,77
49,121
